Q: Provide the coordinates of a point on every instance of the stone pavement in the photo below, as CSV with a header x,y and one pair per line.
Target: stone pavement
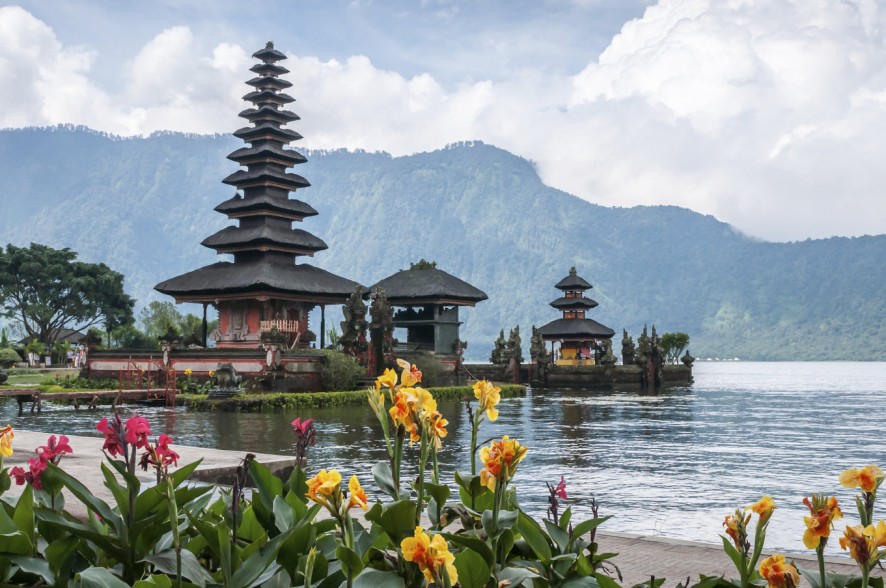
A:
x,y
639,557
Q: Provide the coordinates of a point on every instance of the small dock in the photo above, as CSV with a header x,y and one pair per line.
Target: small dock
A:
x,y
89,399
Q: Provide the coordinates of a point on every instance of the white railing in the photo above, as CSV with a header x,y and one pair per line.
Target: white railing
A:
x,y
283,326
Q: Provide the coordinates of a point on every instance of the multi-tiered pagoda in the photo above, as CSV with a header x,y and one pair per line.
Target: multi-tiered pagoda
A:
x,y
264,287
578,335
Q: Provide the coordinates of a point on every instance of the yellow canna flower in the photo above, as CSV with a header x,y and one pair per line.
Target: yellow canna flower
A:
x,y
188,372
387,379
356,495
6,437
764,508
867,478
863,543
431,556
818,526
211,373
438,425
324,488
508,453
779,573
489,397
411,374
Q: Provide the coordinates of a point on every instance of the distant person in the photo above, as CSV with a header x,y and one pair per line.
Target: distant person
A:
x,y
69,359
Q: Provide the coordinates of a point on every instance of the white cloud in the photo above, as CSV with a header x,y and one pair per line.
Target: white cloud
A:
x,y
767,113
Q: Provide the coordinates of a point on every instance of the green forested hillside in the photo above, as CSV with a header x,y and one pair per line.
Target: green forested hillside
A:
x,y
143,205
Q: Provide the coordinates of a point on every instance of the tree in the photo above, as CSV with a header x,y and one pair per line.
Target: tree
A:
x,y
47,289
673,345
157,317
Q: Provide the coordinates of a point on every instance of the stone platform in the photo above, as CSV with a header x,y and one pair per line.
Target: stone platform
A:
x,y
639,556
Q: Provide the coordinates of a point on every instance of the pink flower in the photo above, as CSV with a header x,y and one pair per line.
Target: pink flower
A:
x,y
33,476
112,432
160,455
560,490
302,427
53,450
137,431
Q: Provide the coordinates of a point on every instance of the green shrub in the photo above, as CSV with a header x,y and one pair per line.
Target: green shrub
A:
x,y
8,357
340,371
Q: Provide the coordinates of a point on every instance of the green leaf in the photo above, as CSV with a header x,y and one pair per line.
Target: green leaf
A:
x,y
384,479
605,581
565,518
298,544
258,564
517,577
283,515
439,492
268,485
160,580
473,572
99,578
587,526
732,552
33,565
350,560
534,537
581,582
23,516
371,578
558,535
16,543
85,496
473,543
297,484
121,494
58,553
191,568
398,519
84,531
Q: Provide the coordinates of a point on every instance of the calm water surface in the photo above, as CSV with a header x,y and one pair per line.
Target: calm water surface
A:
x,y
673,463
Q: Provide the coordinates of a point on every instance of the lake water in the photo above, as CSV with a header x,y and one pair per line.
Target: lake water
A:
x,y
673,463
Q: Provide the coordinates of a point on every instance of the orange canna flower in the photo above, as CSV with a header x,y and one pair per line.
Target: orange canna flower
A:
x,y
438,425
867,478
764,508
508,453
6,437
863,543
489,397
411,374
818,526
325,487
188,372
431,555
356,495
779,573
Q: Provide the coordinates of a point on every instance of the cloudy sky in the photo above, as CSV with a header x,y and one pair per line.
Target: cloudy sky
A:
x,y
768,114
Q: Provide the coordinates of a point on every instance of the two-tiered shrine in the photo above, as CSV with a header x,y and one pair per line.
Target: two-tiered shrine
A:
x,y
264,287
577,334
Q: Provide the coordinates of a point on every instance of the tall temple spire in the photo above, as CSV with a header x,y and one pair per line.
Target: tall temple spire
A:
x,y
265,279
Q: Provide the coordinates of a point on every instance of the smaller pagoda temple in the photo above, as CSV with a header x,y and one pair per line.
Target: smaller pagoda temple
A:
x,y
428,299
577,335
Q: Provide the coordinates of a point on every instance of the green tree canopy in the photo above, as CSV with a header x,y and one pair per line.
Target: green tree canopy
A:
x,y
673,345
47,289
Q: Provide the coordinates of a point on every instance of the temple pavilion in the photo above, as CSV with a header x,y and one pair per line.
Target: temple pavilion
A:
x,y
428,299
577,335
264,287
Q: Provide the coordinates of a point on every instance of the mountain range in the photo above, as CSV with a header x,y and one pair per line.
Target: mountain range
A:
x,y
142,206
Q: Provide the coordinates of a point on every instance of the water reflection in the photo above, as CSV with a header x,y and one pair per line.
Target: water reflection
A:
x,y
673,463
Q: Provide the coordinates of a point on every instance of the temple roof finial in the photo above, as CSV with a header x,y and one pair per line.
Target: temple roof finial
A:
x,y
572,271
269,45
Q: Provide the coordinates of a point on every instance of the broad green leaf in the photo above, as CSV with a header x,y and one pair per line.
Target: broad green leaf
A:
x,y
283,516
191,568
33,565
297,484
580,582
534,537
398,519
473,543
732,552
473,572
517,577
557,535
268,485
384,479
121,494
99,578
160,580
253,567
587,526
370,578
23,516
350,560
85,496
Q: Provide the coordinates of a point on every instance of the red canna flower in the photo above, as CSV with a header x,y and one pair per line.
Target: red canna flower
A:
x,y
53,450
33,476
560,489
114,442
302,427
137,431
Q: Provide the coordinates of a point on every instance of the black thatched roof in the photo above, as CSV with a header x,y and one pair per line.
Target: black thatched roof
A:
x,y
260,275
267,152
268,113
575,329
573,282
269,82
269,54
268,69
268,97
264,176
428,286
266,203
236,237
564,303
268,131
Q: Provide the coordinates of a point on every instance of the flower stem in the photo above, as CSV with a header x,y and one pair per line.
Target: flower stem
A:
x,y
819,551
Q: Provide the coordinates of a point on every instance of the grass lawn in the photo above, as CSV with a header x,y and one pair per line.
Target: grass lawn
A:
x,y
28,379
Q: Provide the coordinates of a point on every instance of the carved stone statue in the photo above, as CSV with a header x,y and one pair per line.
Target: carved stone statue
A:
x,y
353,328
644,348
514,354
499,352
227,382
538,353
627,348
381,330
687,359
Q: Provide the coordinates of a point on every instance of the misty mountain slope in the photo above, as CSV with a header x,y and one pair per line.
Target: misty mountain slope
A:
x,y
143,205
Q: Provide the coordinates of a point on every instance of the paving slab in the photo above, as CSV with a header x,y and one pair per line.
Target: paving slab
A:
x,y
639,556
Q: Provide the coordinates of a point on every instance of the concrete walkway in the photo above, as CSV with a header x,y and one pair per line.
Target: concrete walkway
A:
x,y
639,557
